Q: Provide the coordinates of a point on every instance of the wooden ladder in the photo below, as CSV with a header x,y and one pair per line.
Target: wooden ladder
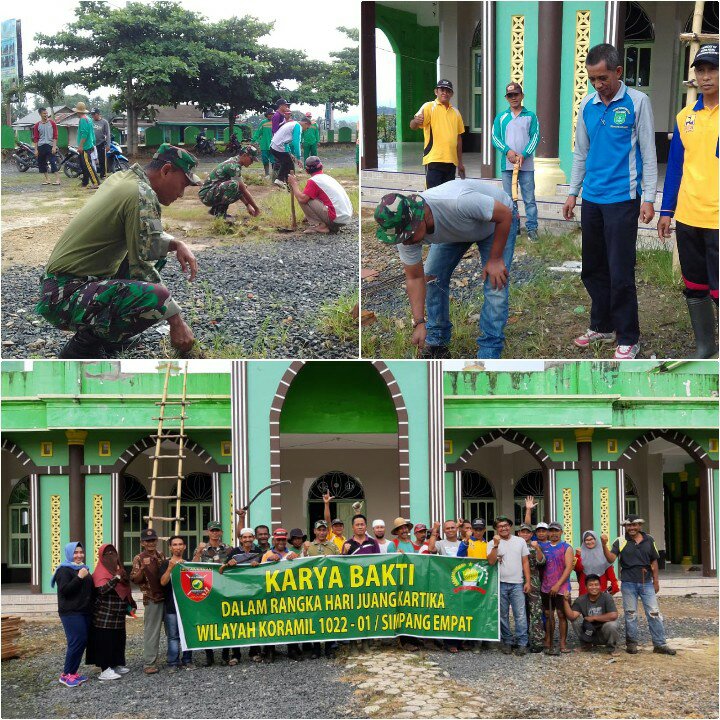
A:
x,y
164,434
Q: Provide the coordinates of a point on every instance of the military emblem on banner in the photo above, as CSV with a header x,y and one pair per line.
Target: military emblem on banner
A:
x,y
470,576
196,584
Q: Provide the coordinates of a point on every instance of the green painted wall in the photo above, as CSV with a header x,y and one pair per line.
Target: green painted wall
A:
x,y
504,12
227,511
97,485
31,445
338,397
49,486
569,479
416,50
62,140
412,378
8,138
567,69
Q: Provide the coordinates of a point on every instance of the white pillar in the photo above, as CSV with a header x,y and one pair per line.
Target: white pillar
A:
x,y
240,472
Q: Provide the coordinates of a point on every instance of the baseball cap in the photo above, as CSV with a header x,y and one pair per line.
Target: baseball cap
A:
x,y
513,87
502,518
400,213
95,110
420,526
541,525
214,525
297,532
555,526
707,53
281,101
378,523
148,534
313,164
525,526
445,84
179,158
478,524
337,521
280,533
320,523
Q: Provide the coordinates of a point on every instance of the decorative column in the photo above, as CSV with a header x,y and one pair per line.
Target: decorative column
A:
x,y
368,88
583,437
436,447
76,460
238,400
547,157
488,87
36,565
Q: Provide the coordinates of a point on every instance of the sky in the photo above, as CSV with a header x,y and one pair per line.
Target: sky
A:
x,y
384,70
313,32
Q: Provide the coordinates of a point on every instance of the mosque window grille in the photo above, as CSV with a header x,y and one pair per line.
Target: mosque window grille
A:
x,y
567,514
476,485
638,26
55,557
197,487
710,21
339,484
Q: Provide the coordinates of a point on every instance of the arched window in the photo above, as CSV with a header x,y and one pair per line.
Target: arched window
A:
x,y
531,483
637,24
478,499
346,491
19,525
632,502
639,39
476,90
196,509
135,506
710,20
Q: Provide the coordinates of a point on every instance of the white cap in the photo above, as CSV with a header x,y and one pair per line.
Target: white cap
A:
x,y
247,530
378,523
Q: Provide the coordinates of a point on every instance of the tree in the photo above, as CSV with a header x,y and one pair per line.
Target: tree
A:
x,y
146,51
49,86
336,82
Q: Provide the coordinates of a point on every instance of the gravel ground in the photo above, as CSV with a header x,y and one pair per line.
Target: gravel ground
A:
x,y
307,690
262,296
380,684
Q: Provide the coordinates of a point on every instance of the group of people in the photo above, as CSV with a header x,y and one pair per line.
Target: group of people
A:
x,y
102,279
93,138
534,568
615,167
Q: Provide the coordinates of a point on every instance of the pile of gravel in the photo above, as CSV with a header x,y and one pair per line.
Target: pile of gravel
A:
x,y
263,296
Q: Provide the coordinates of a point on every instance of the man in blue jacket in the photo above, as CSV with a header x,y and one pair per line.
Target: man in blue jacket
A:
x,y
615,165
516,134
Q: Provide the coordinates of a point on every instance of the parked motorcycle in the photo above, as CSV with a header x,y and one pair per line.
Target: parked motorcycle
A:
x,y
71,163
233,146
25,158
204,145
116,161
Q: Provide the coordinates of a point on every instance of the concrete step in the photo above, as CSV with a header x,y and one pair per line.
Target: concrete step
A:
x,y
43,605
376,183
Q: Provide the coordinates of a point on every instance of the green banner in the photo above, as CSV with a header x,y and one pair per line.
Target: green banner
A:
x,y
336,598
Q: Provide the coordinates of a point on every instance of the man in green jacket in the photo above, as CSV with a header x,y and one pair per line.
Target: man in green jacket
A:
x,y
102,279
263,137
516,134
86,146
310,138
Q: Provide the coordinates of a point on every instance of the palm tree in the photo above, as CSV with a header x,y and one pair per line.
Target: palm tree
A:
x,y
49,86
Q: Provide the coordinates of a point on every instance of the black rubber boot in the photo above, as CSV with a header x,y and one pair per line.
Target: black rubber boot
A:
x,y
83,345
266,167
704,324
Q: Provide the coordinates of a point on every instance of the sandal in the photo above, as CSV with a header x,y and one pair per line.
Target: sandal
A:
x,y
565,650
552,651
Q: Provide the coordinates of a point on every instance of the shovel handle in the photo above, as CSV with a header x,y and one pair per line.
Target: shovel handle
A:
x,y
292,210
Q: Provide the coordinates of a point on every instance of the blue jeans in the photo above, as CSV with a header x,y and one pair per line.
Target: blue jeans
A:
x,y
441,261
526,181
511,594
173,638
76,631
631,591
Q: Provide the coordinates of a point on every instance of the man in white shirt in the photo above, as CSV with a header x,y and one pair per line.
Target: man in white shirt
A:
x,y
511,552
378,528
449,546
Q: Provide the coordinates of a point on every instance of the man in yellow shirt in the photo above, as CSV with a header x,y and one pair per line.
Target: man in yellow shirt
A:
x,y
690,195
337,526
443,127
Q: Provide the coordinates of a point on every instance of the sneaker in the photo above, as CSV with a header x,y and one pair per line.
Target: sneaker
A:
x,y
532,236
80,678
172,668
626,352
108,674
69,680
121,669
280,184
592,336
506,649
435,352
664,650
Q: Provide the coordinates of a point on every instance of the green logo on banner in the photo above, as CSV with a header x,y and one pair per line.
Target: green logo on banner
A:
x,y
471,576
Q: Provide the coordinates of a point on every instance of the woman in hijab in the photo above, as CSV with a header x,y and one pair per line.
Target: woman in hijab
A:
x,y
590,560
113,601
75,606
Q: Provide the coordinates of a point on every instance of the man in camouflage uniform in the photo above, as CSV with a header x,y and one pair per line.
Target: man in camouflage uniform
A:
x,y
224,186
263,137
215,551
310,138
533,601
102,279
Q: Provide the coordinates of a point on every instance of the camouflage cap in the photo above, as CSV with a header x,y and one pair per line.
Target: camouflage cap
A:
x,y
179,158
250,151
400,213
